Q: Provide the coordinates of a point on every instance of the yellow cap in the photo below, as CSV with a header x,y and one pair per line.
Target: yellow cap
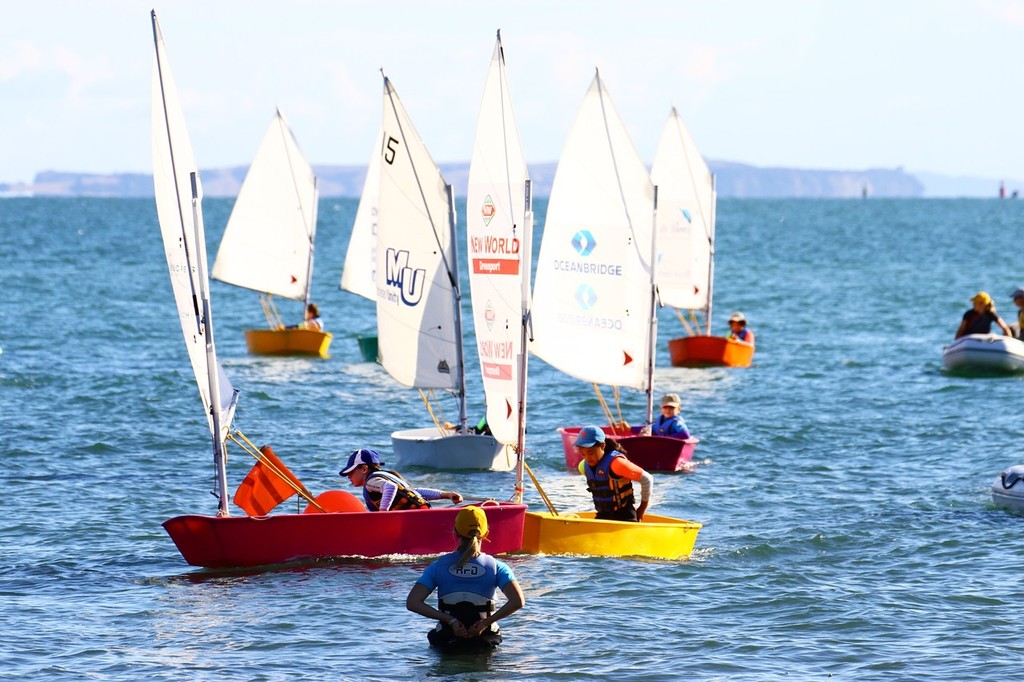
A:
x,y
471,519
982,297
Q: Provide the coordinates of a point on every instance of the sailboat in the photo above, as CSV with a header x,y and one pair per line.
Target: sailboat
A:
x,y
268,242
358,274
594,294
222,540
419,318
499,239
686,248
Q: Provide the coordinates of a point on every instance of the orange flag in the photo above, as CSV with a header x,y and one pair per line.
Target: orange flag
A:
x,y
263,488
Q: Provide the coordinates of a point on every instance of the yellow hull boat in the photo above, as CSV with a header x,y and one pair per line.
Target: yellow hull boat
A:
x,y
660,537
287,342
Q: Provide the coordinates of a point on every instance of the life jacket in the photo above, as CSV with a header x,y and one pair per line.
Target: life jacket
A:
x,y
667,426
405,497
611,492
741,335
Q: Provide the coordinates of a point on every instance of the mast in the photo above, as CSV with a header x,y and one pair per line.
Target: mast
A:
x,y
219,458
453,274
653,315
711,247
312,242
524,274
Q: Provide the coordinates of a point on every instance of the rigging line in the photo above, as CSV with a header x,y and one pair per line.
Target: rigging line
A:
x,y
615,165
286,133
504,129
693,180
423,197
158,40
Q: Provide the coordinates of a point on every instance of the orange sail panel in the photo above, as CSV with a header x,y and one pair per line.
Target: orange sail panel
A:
x,y
268,484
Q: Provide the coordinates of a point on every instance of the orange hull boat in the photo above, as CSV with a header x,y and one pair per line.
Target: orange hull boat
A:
x,y
709,351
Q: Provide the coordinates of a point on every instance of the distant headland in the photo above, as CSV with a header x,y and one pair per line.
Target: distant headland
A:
x,y
733,180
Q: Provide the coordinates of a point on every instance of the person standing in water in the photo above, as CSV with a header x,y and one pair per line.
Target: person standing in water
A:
x,y
466,581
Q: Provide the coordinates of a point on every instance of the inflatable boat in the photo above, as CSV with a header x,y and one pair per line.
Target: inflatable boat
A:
x,y
984,354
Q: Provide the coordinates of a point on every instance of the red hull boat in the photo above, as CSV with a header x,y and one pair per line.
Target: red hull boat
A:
x,y
245,541
652,453
709,351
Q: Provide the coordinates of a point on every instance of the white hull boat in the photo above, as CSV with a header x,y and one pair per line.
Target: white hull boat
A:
x,y
985,353
426,447
1008,489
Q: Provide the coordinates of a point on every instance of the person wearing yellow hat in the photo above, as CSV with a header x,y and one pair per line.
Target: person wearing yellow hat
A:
x,y
979,319
466,581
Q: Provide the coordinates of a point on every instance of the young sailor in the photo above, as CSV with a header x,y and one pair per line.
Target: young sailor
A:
x,y
738,328
466,581
387,490
610,476
670,422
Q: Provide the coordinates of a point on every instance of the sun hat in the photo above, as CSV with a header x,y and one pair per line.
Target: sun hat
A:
x,y
1017,293
471,519
737,317
589,436
671,399
358,457
982,297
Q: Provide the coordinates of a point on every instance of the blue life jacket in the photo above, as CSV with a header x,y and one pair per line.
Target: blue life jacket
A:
x,y
611,492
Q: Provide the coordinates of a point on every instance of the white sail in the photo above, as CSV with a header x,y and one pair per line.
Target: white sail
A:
x,y
359,273
592,293
176,187
498,233
418,338
686,212
268,242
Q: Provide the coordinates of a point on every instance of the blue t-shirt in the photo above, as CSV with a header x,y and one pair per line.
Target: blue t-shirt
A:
x,y
480,575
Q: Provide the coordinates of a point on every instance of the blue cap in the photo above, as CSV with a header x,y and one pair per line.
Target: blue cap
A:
x,y
360,457
589,436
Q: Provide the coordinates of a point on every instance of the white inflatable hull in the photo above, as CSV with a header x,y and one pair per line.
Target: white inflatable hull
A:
x,y
987,353
1008,489
429,449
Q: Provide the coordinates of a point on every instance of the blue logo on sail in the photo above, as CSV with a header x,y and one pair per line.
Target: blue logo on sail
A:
x,y
586,296
686,214
584,243
409,282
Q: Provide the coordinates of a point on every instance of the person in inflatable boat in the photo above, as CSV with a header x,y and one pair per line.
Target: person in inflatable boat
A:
x,y
738,328
387,490
979,319
466,581
610,476
670,422
1018,300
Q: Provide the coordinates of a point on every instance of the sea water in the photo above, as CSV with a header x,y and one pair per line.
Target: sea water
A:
x,y
848,527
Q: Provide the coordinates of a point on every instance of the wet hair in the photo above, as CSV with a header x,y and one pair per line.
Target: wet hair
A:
x,y
313,309
469,547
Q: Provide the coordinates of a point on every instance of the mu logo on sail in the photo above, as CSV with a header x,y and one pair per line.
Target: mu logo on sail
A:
x,y
405,284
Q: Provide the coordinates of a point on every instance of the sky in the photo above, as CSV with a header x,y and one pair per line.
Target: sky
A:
x,y
927,85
